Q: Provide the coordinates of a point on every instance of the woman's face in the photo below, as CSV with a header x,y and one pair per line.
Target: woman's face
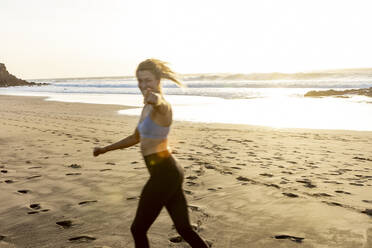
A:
x,y
147,80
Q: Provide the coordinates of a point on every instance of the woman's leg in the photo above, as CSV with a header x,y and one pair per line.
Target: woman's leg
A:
x,y
150,204
177,209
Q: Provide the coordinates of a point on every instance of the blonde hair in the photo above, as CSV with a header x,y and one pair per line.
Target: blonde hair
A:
x,y
159,69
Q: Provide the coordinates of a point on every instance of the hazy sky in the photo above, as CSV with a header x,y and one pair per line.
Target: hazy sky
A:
x,y
68,38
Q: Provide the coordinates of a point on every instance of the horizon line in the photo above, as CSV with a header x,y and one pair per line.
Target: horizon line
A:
x,y
325,71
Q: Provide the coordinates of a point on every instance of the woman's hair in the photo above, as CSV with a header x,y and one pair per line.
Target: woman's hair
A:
x,y
159,69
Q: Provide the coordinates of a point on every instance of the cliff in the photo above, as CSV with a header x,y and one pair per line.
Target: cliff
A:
x,y
7,79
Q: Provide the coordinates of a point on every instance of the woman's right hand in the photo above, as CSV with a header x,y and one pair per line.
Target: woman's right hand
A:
x,y
97,151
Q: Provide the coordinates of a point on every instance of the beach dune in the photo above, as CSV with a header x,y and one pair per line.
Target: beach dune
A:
x,y
246,186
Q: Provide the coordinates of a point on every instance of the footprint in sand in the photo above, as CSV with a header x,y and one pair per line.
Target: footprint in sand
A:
x,y
368,212
333,204
188,192
110,163
9,181
64,223
322,194
332,182
245,179
33,177
363,176
362,159
105,170
132,198
176,239
290,195
192,184
24,191
4,171
194,208
73,174
367,201
75,166
357,184
208,166
287,172
179,239
192,177
87,202
35,206
198,209
82,239
342,192
199,172
272,185
292,238
266,175
307,183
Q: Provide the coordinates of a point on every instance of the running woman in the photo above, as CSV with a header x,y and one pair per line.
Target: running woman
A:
x,y
164,187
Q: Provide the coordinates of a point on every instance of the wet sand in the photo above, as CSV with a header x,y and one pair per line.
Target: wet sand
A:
x,y
246,186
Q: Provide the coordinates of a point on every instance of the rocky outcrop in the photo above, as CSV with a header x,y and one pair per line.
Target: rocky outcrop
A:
x,y
362,92
7,79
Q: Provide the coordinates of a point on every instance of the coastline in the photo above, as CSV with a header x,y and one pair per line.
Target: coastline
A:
x,y
279,113
245,185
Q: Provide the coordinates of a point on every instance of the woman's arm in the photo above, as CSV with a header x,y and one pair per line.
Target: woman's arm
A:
x,y
124,143
159,104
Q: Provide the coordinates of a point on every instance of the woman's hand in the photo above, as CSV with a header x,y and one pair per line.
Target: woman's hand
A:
x,y
151,97
98,150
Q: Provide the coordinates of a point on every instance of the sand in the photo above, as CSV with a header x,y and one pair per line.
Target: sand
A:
x,y
246,186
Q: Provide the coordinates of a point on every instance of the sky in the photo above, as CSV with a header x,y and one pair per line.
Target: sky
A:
x,y
87,38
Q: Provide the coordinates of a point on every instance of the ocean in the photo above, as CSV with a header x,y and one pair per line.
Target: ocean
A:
x,y
278,103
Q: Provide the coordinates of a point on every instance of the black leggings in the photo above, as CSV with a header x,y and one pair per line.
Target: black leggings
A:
x,y
164,188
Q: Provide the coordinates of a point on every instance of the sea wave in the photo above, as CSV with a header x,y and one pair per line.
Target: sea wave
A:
x,y
329,83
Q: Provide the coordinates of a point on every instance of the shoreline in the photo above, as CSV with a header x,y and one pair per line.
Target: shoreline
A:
x,y
245,185
222,124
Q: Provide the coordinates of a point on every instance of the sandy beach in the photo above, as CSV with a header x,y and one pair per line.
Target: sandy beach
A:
x,y
246,186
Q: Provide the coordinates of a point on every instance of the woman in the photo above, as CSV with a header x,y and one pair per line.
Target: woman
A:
x,y
164,188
